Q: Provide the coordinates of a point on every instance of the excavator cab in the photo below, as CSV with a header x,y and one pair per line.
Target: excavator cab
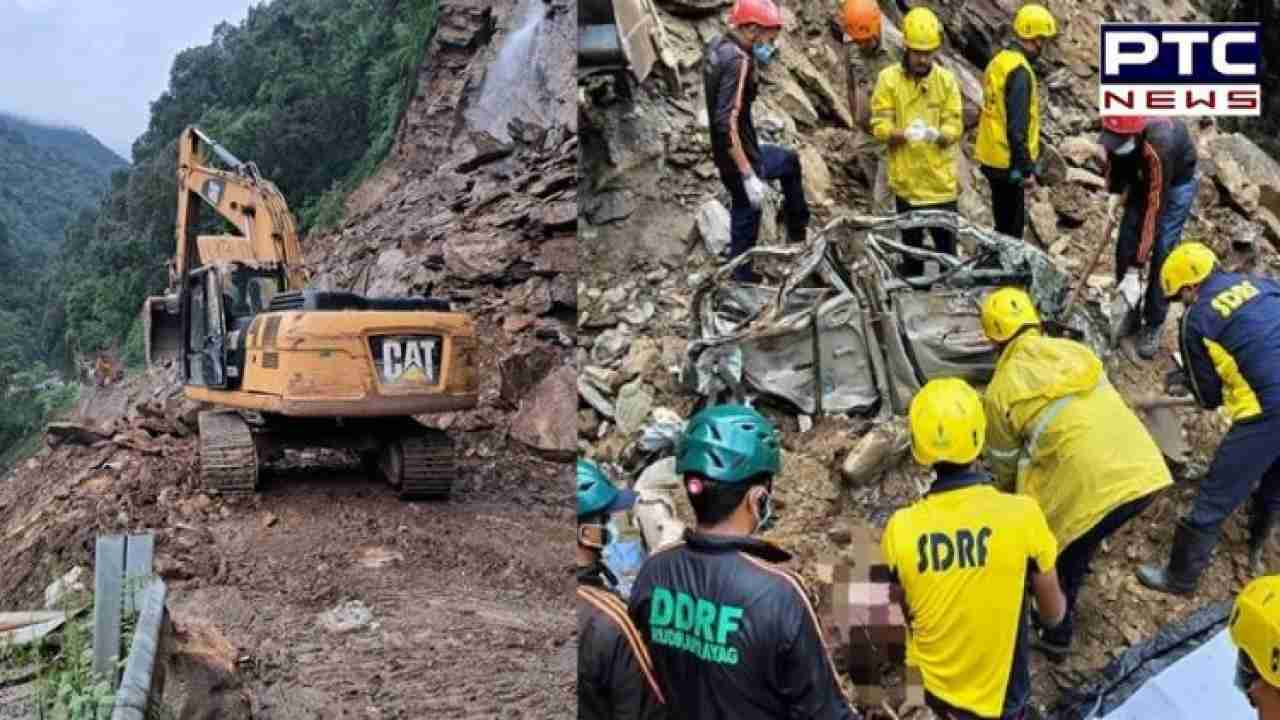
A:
x,y
217,312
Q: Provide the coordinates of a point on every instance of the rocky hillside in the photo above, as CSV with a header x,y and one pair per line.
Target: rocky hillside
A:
x,y
653,215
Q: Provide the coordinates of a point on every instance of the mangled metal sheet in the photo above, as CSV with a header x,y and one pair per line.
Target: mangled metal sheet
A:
x,y
23,628
841,319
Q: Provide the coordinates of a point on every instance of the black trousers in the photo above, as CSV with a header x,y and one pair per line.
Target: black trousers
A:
x,y
1008,202
944,241
1074,560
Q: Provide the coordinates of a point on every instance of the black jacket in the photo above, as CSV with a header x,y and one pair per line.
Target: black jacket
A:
x,y
615,678
733,636
729,85
1165,157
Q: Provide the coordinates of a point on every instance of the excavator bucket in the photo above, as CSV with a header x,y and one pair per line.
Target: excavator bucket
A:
x,y
162,328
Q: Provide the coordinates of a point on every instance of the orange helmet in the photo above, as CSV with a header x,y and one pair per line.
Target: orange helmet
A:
x,y
861,19
756,12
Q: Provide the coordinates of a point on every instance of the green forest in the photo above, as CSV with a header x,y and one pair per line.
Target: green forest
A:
x,y
310,90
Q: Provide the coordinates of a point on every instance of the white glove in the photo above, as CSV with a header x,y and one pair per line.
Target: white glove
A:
x,y
915,132
931,135
755,190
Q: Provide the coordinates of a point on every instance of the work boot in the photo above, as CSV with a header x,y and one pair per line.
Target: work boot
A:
x,y
1190,555
1148,342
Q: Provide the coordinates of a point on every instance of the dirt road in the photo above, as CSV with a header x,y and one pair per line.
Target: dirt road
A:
x,y
468,604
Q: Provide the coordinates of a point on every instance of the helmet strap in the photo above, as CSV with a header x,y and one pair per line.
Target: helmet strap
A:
x,y
594,535
762,511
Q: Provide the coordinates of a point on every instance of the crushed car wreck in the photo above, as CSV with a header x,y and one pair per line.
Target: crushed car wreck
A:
x,y
844,320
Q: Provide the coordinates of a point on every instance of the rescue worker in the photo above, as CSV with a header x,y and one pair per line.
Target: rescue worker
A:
x,y
915,109
1008,144
1060,433
866,55
615,674
729,77
1230,340
732,633
1255,630
963,556
1154,159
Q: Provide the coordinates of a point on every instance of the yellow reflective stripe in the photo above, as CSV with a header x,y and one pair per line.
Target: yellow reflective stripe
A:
x,y
1046,416
1240,399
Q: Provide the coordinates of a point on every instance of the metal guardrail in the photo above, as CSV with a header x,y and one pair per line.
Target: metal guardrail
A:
x,y
143,680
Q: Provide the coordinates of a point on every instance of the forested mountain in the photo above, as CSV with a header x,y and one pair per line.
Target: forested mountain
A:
x,y
310,90
47,174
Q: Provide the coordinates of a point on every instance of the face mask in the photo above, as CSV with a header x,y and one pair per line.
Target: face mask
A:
x,y
763,52
1126,148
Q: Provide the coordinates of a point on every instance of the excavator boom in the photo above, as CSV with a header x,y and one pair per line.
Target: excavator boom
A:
x,y
267,234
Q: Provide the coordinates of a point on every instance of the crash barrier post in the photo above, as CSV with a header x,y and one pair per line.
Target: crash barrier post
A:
x,y
143,681
123,582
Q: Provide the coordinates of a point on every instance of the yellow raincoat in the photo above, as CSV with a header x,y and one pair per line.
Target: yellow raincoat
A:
x,y
1058,431
922,173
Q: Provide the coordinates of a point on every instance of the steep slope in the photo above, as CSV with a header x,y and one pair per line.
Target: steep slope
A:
x,y
47,175
649,225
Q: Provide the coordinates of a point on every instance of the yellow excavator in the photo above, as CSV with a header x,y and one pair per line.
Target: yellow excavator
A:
x,y
289,367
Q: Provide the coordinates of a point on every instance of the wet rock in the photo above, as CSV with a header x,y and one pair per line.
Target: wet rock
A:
x,y
386,277
638,314
693,8
609,207
1080,176
816,176
76,433
561,215
876,451
476,256
1044,221
547,420
832,103
346,618
642,359
713,227
595,397
635,400
793,100
609,346
1081,152
71,583
524,369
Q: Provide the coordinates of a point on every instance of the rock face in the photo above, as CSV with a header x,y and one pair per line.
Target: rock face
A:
x,y
477,204
547,420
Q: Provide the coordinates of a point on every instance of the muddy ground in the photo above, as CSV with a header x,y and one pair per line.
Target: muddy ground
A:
x,y
470,610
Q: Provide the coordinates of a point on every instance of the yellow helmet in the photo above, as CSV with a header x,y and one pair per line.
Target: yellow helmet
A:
x,y
1005,311
948,423
1255,626
921,30
1187,264
1034,21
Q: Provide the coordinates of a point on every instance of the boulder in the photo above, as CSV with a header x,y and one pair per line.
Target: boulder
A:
x,y
523,369
73,432
816,176
476,256
793,100
1044,221
1081,151
815,81
876,451
713,227
642,359
635,400
1080,176
547,420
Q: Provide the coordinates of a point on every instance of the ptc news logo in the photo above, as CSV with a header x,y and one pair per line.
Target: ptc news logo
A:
x,y
1180,69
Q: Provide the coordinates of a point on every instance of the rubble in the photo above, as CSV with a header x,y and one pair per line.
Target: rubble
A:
x,y
61,431
348,617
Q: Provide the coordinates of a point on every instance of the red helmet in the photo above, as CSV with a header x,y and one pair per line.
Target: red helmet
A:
x,y
756,12
1124,124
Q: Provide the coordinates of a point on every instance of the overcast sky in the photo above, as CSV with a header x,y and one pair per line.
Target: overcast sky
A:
x,y
97,64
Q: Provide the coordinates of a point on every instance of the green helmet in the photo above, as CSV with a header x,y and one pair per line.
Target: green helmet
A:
x,y
729,444
597,495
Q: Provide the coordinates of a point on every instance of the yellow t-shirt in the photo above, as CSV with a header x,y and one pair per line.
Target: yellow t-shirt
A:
x,y
962,557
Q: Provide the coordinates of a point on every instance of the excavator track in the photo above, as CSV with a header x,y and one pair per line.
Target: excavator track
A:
x,y
425,463
228,456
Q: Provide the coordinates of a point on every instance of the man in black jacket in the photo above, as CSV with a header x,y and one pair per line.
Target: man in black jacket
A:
x,y
729,80
1154,159
732,634
615,674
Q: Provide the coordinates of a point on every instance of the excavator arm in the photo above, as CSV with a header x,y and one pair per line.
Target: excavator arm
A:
x,y
251,203
267,234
